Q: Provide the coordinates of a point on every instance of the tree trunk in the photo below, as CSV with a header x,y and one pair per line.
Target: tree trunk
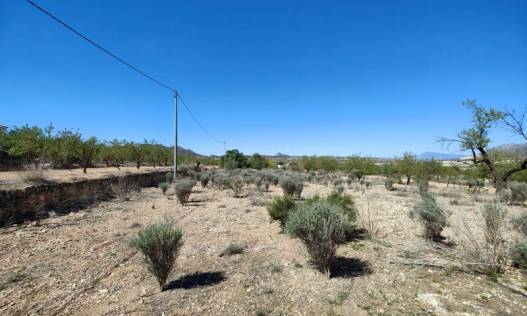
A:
x,y
138,164
408,180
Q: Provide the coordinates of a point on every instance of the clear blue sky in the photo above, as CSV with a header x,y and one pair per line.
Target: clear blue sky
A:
x,y
297,77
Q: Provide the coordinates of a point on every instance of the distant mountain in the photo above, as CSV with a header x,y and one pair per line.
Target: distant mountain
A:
x,y
187,152
438,156
520,149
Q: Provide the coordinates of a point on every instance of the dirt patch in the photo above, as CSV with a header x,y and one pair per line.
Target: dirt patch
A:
x,y
82,263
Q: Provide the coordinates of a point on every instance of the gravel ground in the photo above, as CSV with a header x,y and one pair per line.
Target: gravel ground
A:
x,y
82,263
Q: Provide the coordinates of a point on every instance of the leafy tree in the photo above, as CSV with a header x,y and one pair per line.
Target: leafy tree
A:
x,y
308,163
88,151
259,162
25,142
136,152
407,166
233,159
476,139
327,163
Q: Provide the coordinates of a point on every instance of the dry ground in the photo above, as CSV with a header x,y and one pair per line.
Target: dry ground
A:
x,y
15,179
83,264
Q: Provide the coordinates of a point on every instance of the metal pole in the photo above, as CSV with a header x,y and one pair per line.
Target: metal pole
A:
x,y
175,135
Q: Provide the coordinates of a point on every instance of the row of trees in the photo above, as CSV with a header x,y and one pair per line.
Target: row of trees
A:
x,y
68,148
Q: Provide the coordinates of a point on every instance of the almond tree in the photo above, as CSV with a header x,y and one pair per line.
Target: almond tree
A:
x,y
476,139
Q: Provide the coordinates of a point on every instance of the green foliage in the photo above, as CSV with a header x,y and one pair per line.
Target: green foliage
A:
x,y
288,185
236,185
169,177
322,228
520,224
164,187
27,143
233,159
88,151
204,180
388,184
280,208
433,217
259,162
183,190
160,244
407,166
518,254
345,202
423,187
355,174
518,192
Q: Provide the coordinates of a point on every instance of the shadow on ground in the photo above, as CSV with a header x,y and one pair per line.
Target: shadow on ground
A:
x,y
350,267
198,279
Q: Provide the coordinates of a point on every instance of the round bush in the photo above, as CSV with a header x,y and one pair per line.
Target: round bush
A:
x,y
518,254
432,217
160,244
520,223
322,227
164,187
288,185
280,208
183,190
204,179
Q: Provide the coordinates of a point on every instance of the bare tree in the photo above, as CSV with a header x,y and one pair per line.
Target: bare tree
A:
x,y
476,139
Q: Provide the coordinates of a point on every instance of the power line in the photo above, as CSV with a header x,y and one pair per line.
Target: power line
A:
x,y
124,62
197,122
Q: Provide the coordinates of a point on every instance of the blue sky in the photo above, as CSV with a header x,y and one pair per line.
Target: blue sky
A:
x,y
297,77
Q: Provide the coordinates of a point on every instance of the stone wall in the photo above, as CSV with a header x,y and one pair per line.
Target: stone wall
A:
x,y
36,201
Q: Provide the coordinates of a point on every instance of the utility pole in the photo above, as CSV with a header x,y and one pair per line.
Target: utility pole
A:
x,y
175,134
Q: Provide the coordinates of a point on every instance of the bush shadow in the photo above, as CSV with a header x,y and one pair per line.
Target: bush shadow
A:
x,y
350,267
198,279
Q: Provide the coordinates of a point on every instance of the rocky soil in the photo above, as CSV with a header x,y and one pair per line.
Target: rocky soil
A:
x,y
82,263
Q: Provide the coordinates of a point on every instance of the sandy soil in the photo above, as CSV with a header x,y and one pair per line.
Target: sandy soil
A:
x,y
82,263
15,179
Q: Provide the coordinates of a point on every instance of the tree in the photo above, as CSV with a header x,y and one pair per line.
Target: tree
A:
x,y
308,163
25,142
259,162
476,139
406,166
136,152
233,159
327,163
88,151
427,169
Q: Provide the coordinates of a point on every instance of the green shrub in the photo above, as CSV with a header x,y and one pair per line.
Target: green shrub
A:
x,y
518,254
169,177
160,244
164,187
337,181
299,188
339,189
518,192
423,187
280,208
520,223
258,183
288,185
183,190
433,218
388,184
236,184
204,179
348,206
322,228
